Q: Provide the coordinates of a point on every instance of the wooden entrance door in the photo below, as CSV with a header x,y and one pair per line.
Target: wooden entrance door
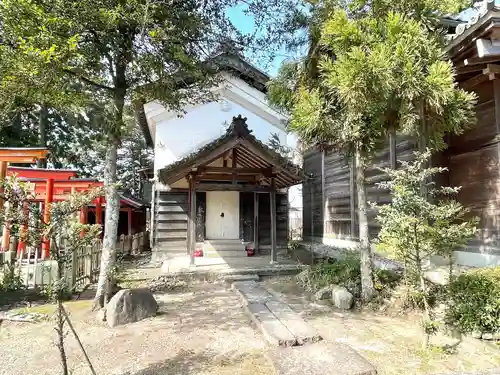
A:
x,y
223,215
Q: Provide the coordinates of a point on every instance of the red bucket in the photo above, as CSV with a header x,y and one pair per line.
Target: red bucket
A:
x,y
198,253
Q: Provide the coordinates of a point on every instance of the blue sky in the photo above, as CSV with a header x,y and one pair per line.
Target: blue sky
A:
x,y
245,24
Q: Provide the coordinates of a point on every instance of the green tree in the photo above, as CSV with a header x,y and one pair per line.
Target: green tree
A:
x,y
123,51
372,73
64,232
416,227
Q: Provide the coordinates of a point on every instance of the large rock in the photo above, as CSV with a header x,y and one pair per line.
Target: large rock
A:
x,y
323,293
341,297
129,306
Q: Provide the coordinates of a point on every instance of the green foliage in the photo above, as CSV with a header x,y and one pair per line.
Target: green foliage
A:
x,y
416,225
11,280
341,272
474,301
57,290
293,245
345,271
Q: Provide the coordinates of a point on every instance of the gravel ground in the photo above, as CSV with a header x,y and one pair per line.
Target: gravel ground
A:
x,y
201,330
391,342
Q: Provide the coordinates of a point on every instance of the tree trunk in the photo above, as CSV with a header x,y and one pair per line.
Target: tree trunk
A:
x,y
112,214
367,286
42,133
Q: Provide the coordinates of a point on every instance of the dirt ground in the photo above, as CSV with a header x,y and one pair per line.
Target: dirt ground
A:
x,y
199,331
391,342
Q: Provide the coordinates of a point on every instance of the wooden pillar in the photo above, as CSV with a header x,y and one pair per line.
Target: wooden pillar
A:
x,y
49,192
256,222
3,173
129,220
84,212
5,237
192,218
273,221
6,230
98,211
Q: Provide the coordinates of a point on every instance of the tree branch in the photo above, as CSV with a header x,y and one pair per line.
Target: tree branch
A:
x,y
88,81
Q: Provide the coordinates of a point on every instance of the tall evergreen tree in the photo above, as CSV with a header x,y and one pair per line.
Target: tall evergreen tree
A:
x,y
378,67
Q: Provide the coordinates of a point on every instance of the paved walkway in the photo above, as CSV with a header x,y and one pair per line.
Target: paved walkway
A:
x,y
298,348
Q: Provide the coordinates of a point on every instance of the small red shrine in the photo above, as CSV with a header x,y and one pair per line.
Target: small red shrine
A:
x,y
52,185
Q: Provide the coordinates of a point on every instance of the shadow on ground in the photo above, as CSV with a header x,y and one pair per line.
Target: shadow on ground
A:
x,y
183,363
189,362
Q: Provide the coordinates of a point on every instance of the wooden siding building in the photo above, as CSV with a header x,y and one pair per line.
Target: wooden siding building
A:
x,y
330,207
228,195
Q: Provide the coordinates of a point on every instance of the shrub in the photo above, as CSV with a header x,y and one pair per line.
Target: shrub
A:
x,y
474,301
11,279
345,271
336,271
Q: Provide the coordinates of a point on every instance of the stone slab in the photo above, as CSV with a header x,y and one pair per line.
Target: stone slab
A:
x,y
273,330
235,278
295,324
320,359
251,292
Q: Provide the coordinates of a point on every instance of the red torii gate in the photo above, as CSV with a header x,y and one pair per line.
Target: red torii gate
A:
x,y
16,155
52,185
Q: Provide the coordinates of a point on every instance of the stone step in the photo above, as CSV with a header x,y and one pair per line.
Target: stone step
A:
x,y
223,245
171,216
320,358
225,253
171,224
235,278
280,325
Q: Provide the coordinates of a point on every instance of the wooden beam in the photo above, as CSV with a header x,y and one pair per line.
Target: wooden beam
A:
x,y
227,177
22,155
234,157
233,164
230,187
491,69
268,172
202,161
470,69
474,81
256,222
481,60
273,221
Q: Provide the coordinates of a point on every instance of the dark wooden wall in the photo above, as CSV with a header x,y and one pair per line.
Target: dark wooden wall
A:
x,y
312,195
329,195
474,165
172,214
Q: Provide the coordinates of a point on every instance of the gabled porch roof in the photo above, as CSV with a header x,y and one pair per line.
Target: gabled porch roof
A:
x,y
252,162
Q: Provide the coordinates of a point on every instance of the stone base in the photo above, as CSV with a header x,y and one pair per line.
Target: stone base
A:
x,y
176,264
319,359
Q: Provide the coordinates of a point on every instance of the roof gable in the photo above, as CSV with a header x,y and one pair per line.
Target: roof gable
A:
x,y
254,154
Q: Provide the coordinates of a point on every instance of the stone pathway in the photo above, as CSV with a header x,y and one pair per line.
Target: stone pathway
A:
x,y
279,324
289,333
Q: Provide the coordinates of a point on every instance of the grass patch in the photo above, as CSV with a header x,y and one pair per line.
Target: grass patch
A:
x,y
49,308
